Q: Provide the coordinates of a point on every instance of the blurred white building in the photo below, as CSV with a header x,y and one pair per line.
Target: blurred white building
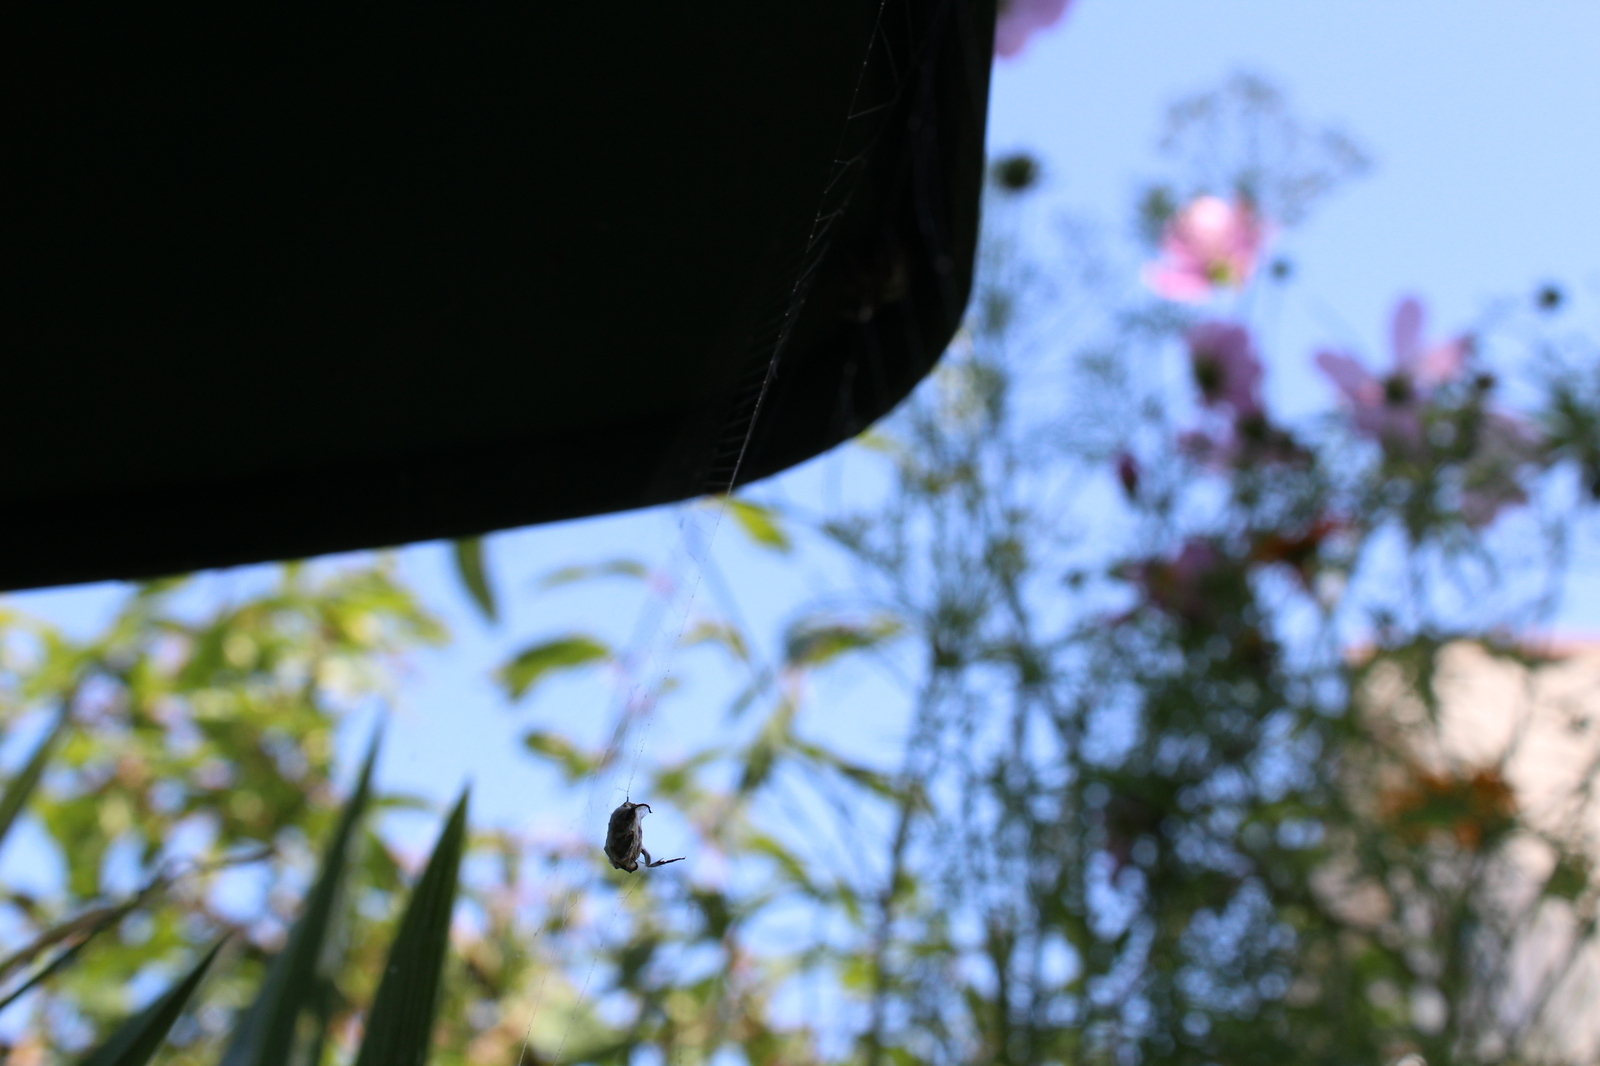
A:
x,y
1538,725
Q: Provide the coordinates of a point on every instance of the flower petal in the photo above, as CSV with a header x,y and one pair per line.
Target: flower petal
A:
x,y
1173,282
1351,378
1407,337
1442,363
1226,366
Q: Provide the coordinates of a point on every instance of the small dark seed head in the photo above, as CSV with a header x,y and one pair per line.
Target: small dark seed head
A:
x,y
1016,173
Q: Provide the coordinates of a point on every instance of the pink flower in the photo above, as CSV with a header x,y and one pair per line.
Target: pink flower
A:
x,y
1389,410
1226,367
1210,243
1021,19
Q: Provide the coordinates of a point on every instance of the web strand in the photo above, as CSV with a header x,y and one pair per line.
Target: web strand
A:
x,y
820,231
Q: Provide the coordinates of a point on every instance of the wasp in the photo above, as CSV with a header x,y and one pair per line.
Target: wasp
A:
x,y
625,838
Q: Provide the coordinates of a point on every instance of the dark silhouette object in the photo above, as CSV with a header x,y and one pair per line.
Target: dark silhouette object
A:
x,y
625,839
284,282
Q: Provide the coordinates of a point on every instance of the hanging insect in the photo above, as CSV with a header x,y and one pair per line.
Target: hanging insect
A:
x,y
625,839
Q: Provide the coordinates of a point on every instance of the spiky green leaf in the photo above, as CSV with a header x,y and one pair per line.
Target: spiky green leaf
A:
x,y
20,788
266,1035
137,1039
400,1023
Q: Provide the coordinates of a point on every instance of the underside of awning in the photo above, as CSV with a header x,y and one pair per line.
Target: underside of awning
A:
x,y
292,282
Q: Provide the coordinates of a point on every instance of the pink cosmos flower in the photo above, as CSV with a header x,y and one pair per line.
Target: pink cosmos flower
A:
x,y
1226,366
1389,409
1021,19
1208,244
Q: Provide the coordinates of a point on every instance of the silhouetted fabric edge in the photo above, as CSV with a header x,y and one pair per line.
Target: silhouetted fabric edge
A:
x,y
871,312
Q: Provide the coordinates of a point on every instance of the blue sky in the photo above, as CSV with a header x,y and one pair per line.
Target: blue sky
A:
x,y
1482,118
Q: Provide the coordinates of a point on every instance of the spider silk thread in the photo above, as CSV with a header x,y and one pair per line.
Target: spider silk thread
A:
x,y
821,224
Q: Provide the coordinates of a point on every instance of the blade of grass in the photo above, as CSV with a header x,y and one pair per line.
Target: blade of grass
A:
x,y
103,919
20,788
89,924
325,1003
266,1034
76,926
138,1038
400,1023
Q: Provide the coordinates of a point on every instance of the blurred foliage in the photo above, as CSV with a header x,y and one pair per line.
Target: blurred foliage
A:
x,y
1175,783
195,768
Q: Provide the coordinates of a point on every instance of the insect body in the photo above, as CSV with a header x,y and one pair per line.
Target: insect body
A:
x,y
625,839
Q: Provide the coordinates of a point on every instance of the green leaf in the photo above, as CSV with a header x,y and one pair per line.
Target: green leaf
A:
x,y
707,631
759,522
790,866
138,1038
574,763
1569,878
568,575
810,643
873,441
776,738
266,1035
20,788
400,1023
468,554
533,663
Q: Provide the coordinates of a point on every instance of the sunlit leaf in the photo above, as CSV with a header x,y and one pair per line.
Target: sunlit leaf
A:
x,y
874,441
759,522
532,664
470,568
568,575
574,763
722,634
399,1026
812,643
266,1034
136,1040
